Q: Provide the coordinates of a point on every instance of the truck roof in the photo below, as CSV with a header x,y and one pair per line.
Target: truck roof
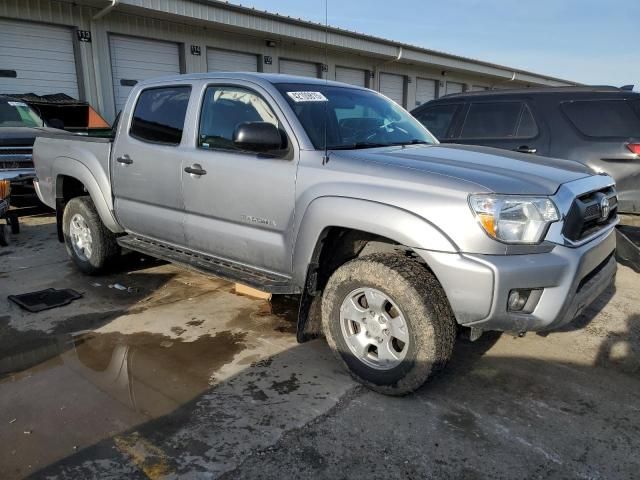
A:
x,y
260,78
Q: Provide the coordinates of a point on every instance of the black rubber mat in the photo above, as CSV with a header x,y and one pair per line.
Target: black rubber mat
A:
x,y
45,299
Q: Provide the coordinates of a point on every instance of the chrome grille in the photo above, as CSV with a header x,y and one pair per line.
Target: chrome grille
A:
x,y
12,158
15,151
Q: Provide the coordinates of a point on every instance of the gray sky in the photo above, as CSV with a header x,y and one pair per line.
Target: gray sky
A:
x,y
588,41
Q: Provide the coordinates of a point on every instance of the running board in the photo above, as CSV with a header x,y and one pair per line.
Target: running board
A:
x,y
236,272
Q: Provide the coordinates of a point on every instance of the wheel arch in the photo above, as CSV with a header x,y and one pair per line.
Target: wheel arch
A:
x,y
391,224
335,230
74,179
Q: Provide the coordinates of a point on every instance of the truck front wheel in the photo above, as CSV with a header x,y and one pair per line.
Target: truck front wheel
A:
x,y
89,243
388,322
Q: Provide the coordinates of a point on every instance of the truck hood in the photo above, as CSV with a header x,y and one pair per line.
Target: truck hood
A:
x,y
22,136
495,170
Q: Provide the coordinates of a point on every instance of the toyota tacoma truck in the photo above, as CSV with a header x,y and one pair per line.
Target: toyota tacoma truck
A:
x,y
335,193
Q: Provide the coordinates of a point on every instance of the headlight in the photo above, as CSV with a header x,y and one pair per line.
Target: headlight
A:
x,y
514,219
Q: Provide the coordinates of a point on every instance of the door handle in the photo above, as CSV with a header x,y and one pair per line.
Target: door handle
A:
x,y
124,159
195,169
526,149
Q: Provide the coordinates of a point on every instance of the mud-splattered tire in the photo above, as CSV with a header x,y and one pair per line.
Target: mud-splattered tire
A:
x,y
412,295
91,246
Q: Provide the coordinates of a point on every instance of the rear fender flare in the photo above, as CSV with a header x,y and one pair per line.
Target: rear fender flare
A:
x,y
65,166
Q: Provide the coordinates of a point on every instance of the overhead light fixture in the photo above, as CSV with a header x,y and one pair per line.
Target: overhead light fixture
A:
x,y
271,43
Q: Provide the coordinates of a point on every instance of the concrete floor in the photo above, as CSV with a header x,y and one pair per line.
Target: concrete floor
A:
x,y
180,377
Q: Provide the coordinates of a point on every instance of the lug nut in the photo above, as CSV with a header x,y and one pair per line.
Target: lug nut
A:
x,y
385,331
379,340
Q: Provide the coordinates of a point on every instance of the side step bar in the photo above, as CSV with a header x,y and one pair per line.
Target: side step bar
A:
x,y
268,282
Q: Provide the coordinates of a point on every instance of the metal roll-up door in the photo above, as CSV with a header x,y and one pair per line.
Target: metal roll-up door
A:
x,y
352,76
137,59
455,87
230,61
37,58
295,67
425,90
392,86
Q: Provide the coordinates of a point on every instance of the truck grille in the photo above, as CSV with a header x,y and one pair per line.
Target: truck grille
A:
x,y
16,157
586,216
15,151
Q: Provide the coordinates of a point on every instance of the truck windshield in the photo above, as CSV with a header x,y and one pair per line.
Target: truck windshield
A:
x,y
18,114
350,118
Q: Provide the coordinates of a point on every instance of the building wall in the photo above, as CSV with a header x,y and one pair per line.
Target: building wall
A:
x,y
94,64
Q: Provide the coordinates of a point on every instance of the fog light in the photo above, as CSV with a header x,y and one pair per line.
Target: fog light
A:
x,y
518,299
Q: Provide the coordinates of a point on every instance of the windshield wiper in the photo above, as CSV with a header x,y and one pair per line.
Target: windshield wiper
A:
x,y
359,145
415,141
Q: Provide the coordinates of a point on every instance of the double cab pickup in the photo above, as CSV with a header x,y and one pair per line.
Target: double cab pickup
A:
x,y
334,193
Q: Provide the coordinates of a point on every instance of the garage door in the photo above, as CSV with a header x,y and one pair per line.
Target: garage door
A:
x,y
136,59
454,87
353,76
393,87
229,61
425,90
303,69
40,55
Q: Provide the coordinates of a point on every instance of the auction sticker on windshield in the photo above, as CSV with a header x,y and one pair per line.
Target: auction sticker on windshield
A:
x,y
307,97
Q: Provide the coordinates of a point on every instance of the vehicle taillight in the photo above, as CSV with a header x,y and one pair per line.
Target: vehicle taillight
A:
x,y
634,147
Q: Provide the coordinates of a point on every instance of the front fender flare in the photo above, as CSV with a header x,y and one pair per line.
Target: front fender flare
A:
x,y
391,222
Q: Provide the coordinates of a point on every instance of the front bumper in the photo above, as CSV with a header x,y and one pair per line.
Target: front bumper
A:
x,y
478,286
23,176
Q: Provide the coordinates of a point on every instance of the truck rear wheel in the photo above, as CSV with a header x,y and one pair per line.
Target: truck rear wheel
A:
x,y
89,243
388,321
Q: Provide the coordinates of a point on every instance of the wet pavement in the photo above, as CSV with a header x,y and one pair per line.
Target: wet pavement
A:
x,y
178,376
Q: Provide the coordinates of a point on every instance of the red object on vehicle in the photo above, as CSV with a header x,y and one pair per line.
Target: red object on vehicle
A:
x,y
634,147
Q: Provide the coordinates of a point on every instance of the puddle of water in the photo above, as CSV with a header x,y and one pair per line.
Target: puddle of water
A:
x,y
72,389
66,392
146,372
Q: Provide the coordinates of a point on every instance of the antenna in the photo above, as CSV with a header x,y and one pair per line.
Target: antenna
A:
x,y
325,158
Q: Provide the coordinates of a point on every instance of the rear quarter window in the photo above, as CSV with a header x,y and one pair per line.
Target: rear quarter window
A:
x,y
159,115
604,118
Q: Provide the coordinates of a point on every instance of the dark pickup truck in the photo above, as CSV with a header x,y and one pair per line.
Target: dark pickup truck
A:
x,y
19,126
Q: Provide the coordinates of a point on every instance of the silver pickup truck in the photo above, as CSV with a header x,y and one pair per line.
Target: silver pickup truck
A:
x,y
335,193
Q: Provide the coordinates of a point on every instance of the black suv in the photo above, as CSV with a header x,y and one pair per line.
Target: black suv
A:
x,y
597,126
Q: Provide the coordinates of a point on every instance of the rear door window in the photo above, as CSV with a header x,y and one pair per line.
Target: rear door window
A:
x,y
438,118
159,115
492,120
604,118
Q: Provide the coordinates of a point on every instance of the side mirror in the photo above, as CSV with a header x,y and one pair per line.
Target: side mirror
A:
x,y
259,137
56,123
